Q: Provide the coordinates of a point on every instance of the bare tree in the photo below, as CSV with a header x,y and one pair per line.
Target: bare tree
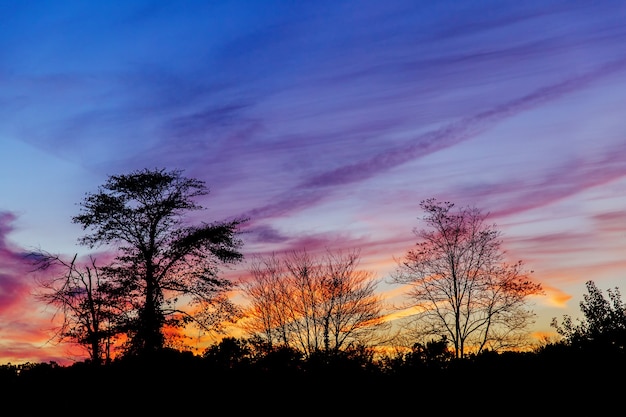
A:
x,y
268,292
80,296
313,304
461,285
350,310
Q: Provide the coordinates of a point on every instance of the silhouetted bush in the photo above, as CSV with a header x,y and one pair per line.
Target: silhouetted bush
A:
x,y
180,382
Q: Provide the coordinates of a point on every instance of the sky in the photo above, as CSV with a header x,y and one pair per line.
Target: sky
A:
x,y
324,122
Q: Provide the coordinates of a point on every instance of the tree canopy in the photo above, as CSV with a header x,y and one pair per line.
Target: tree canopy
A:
x,y
312,303
166,271
603,325
460,285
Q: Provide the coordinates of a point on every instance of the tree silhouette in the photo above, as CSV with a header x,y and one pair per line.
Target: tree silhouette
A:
x,y
160,258
603,325
460,286
312,303
229,353
82,298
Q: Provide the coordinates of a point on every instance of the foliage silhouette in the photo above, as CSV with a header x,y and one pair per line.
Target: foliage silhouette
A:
x,y
229,353
603,326
160,258
284,380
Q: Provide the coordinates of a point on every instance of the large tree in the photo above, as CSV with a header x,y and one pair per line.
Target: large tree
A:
x,y
312,303
165,272
460,285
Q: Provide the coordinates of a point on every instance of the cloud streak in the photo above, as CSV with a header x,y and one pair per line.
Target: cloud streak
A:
x,y
312,190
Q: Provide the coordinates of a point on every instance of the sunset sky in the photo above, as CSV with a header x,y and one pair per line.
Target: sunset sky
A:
x,y
325,122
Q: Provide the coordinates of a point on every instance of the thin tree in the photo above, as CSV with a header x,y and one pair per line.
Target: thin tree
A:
x,y
160,258
81,298
350,310
266,315
460,284
314,304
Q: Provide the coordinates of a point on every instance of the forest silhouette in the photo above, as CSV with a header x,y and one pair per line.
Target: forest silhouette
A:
x,y
557,377
283,367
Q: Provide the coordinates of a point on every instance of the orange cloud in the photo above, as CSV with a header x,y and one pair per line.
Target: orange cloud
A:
x,y
556,297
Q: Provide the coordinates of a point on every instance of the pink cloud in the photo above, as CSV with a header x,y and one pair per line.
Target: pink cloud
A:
x,y
612,221
26,325
14,287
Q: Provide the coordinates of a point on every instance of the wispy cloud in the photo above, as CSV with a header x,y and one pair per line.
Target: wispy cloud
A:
x,y
315,189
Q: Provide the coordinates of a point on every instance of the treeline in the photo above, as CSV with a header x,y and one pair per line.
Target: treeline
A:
x,y
582,372
235,375
594,343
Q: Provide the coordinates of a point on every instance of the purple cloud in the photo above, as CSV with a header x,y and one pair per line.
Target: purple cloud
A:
x,y
312,190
